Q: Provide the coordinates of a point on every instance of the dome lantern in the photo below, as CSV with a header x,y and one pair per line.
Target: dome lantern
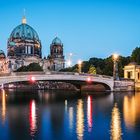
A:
x,y
24,21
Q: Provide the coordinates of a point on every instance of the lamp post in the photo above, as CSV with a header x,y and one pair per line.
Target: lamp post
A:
x,y
115,66
79,66
69,61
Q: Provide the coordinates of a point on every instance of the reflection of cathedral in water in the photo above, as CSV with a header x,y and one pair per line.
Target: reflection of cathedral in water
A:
x,y
24,47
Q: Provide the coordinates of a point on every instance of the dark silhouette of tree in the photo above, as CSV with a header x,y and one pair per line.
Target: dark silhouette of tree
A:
x,y
30,67
135,56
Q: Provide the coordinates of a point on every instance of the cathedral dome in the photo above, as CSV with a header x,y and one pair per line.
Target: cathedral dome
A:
x,y
24,42
56,41
24,31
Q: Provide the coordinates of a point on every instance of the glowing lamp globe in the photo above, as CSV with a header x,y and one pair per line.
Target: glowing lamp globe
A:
x,y
89,79
115,56
32,79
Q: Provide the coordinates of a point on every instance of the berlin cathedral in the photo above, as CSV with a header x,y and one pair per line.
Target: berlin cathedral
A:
x,y
24,47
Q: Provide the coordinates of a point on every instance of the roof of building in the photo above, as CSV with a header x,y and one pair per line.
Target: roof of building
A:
x,y
56,41
24,31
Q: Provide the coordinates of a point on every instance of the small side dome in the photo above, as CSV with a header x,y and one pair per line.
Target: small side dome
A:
x,y
56,41
2,54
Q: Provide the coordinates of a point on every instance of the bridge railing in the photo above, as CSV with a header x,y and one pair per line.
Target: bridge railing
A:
x,y
126,79
27,73
4,74
55,73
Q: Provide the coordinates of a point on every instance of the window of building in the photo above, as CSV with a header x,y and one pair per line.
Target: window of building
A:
x,y
138,75
29,49
129,74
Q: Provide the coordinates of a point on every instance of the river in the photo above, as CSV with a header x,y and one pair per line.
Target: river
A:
x,y
67,115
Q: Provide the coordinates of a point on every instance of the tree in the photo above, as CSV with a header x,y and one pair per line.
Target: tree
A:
x,y
92,70
103,66
135,56
30,67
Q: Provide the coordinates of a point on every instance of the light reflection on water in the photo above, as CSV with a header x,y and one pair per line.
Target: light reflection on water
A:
x,y
33,118
3,106
131,108
80,120
89,113
71,116
116,131
60,115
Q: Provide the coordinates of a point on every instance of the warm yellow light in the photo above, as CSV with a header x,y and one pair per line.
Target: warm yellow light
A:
x,y
24,21
115,56
116,131
3,106
80,120
79,62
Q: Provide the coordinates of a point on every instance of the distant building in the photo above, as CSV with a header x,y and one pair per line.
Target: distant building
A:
x,y
56,54
4,63
132,71
24,47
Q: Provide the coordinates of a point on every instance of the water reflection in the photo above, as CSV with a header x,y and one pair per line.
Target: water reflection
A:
x,y
71,117
67,115
3,106
66,104
131,109
33,118
80,120
89,112
116,131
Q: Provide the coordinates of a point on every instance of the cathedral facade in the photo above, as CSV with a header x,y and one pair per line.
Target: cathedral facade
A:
x,y
24,47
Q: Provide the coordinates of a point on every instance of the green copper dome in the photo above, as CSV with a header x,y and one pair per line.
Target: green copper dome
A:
x,y
24,31
56,41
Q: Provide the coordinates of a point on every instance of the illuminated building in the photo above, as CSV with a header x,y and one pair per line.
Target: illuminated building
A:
x,y
132,71
24,47
24,42
56,54
3,62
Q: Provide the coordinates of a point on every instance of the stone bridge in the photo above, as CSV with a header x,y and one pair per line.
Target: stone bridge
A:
x,y
74,78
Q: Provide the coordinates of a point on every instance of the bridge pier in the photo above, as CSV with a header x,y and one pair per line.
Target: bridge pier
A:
x,y
124,85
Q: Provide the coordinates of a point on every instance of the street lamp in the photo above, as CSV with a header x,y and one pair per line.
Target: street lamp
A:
x,y
69,60
69,63
115,66
79,66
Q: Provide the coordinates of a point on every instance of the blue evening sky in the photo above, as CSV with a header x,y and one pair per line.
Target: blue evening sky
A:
x,y
87,28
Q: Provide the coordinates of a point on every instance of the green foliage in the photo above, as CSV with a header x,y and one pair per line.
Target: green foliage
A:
x,y
92,70
135,56
105,66
30,67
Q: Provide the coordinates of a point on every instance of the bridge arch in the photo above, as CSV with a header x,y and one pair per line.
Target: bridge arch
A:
x,y
77,80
